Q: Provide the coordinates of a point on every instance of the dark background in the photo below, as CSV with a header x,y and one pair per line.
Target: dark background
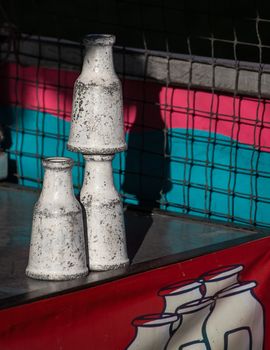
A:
x,y
225,29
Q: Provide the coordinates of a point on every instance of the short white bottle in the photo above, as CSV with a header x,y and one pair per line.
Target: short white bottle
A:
x,y
180,293
57,250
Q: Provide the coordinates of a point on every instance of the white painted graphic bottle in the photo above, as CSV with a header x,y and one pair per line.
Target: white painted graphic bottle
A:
x,y
237,320
190,332
180,293
152,331
216,280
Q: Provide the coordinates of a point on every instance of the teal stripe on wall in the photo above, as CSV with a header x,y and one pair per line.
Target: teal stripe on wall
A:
x,y
194,178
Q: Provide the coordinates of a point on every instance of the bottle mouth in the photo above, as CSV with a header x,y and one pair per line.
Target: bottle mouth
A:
x,y
221,273
179,288
237,289
194,305
57,163
99,39
155,320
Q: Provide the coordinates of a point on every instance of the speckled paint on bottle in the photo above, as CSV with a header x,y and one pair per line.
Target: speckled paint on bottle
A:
x,y
57,250
97,111
104,213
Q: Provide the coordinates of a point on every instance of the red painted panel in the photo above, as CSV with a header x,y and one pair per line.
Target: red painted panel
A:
x,y
101,317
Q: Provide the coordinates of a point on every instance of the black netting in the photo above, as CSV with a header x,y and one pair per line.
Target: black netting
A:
x,y
196,83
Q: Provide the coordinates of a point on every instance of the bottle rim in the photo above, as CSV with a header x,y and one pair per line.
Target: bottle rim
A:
x,y
236,289
194,305
221,273
155,320
99,39
57,162
179,287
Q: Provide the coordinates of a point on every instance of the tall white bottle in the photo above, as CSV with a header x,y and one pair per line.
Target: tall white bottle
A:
x,y
57,250
97,111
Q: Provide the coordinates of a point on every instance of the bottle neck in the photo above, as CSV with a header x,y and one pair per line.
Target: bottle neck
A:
x,y
175,300
99,61
98,173
98,182
57,184
214,286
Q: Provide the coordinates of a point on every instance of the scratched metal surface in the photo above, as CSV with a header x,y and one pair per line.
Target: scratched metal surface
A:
x,y
153,240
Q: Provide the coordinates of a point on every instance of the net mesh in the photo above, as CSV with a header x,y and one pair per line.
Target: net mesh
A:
x,y
196,84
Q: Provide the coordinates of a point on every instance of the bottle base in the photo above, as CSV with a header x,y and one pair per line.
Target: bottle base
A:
x,y
55,276
97,150
107,267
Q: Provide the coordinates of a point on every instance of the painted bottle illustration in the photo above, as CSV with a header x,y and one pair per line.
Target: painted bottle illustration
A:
x,y
190,332
180,293
152,331
236,321
216,280
215,312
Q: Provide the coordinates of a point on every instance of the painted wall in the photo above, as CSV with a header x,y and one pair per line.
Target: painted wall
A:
x,y
191,151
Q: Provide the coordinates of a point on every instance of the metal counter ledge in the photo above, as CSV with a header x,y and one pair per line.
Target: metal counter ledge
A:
x,y
154,240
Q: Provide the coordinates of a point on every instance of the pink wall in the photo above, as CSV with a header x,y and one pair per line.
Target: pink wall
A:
x,y
246,120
